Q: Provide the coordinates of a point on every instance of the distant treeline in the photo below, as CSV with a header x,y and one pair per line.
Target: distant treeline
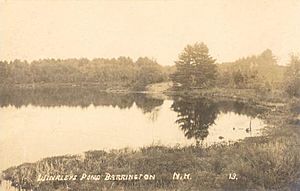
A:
x,y
261,72
257,71
123,72
195,68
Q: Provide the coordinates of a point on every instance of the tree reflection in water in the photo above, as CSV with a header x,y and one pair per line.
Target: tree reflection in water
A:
x,y
195,116
73,97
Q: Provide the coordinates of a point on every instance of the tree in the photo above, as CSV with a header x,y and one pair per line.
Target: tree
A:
x,y
195,67
149,71
267,58
238,78
292,77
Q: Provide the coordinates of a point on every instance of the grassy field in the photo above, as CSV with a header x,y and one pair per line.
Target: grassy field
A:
x,y
268,162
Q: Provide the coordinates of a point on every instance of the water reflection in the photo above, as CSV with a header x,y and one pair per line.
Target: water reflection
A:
x,y
239,108
195,116
57,121
80,96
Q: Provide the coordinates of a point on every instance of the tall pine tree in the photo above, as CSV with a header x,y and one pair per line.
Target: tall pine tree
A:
x,y
195,67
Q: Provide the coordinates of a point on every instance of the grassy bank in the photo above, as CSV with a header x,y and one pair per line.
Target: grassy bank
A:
x,y
269,162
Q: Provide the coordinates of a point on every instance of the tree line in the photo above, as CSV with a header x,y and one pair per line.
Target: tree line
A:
x,y
194,68
122,71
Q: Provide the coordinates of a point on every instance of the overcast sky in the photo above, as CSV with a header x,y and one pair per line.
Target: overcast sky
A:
x,y
159,29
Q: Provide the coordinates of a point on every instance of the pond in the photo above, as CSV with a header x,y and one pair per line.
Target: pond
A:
x,y
50,122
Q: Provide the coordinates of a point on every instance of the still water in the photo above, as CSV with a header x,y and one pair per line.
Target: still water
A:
x,y
38,124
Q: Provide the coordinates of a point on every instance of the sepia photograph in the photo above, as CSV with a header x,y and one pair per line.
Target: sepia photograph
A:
x,y
149,95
